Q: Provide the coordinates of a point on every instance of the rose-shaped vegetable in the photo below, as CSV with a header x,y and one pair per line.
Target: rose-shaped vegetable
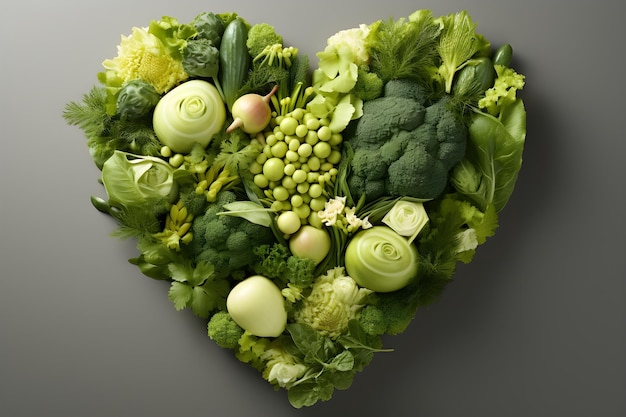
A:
x,y
191,113
132,180
406,218
381,260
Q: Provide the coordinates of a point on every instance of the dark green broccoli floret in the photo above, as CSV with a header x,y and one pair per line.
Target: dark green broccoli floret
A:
x,y
223,330
389,313
227,242
368,85
404,145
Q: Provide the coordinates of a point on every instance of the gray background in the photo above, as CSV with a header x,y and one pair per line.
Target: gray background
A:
x,y
535,326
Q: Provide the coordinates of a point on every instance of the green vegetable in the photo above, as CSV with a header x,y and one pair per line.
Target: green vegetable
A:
x,y
403,146
503,55
191,113
260,37
201,58
392,312
406,48
457,44
234,60
335,299
381,260
105,132
276,262
196,286
136,99
251,112
223,330
227,242
257,305
488,173
310,242
406,218
135,180
210,27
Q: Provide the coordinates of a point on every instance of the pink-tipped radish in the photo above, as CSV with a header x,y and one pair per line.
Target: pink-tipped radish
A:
x,y
251,112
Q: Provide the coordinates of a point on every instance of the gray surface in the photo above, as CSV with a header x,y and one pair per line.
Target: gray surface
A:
x,y
535,326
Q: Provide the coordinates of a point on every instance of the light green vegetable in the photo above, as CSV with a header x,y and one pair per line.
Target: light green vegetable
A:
x,y
381,260
311,243
134,180
191,113
335,299
458,43
257,305
406,218
223,330
488,173
252,112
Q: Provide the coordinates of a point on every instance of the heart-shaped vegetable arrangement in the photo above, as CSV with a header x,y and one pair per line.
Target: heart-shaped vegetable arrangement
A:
x,y
305,214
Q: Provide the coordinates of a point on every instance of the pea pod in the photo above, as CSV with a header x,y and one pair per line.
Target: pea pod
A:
x,y
503,55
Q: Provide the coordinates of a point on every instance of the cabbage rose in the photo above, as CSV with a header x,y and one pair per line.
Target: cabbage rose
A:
x,y
132,180
406,219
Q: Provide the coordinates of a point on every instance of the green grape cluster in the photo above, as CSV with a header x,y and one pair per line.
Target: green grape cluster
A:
x,y
298,164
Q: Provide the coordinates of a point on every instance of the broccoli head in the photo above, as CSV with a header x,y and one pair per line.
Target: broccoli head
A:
x,y
227,242
404,144
223,330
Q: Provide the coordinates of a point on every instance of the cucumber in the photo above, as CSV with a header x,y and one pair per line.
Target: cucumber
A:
x,y
503,55
234,60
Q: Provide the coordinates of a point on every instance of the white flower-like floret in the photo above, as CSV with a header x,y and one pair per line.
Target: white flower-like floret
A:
x,y
282,368
332,209
335,299
355,39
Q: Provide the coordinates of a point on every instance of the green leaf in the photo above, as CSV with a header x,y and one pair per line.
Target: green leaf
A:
x,y
180,294
181,272
251,211
203,271
202,302
342,362
497,153
307,340
458,43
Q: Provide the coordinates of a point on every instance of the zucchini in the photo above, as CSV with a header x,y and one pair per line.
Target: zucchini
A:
x,y
234,60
